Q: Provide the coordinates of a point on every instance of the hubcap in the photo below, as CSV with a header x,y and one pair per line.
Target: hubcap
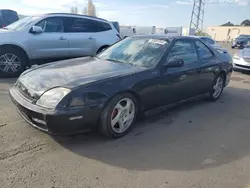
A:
x,y
123,115
10,63
217,88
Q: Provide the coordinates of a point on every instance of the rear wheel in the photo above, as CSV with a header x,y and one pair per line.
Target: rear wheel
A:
x,y
217,88
119,116
12,62
101,49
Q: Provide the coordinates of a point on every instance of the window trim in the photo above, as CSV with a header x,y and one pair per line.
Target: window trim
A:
x,y
201,59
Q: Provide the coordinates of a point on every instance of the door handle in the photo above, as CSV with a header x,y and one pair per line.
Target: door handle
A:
x,y
90,38
62,38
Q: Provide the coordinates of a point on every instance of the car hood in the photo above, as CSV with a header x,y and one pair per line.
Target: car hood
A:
x,y
244,53
241,39
72,73
5,31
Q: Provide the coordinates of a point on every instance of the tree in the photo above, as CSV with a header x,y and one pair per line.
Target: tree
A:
x,y
201,33
74,10
228,24
85,11
91,8
245,23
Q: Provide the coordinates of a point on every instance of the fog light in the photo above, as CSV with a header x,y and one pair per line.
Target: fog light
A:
x,y
39,121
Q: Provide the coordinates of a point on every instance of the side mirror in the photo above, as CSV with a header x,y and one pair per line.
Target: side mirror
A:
x,y
175,63
36,30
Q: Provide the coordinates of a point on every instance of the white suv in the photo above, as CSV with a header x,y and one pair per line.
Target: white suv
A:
x,y
52,36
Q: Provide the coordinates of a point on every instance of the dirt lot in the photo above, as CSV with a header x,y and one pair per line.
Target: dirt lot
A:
x,y
200,144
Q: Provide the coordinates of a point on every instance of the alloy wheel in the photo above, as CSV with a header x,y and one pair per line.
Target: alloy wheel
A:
x,y
218,87
122,115
10,63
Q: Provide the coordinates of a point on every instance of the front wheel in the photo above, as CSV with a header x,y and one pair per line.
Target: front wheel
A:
x,y
217,88
12,62
119,116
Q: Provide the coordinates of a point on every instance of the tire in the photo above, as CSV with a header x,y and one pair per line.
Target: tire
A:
x,y
100,49
111,113
17,62
213,94
233,47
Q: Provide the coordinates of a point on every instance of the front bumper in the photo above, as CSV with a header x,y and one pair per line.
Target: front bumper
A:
x,y
241,45
58,121
240,64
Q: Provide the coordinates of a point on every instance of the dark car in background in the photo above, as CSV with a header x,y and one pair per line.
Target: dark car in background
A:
x,y
241,42
108,92
7,17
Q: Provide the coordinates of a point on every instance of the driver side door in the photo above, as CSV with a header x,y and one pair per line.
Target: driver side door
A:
x,y
180,83
52,42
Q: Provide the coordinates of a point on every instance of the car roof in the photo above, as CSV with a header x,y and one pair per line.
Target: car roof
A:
x,y
162,36
73,15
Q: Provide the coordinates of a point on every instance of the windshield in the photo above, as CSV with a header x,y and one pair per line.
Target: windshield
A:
x,y
244,36
143,52
22,23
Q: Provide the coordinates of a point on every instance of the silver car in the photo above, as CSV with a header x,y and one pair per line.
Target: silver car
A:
x,y
52,36
241,60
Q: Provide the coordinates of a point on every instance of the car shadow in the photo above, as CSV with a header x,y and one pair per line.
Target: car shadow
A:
x,y
193,136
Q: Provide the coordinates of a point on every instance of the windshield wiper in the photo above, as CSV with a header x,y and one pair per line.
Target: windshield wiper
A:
x,y
114,60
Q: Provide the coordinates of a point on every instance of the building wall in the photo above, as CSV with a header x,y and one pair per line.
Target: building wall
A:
x,y
227,33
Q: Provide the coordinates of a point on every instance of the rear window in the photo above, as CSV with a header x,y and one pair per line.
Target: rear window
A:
x,y
8,17
83,25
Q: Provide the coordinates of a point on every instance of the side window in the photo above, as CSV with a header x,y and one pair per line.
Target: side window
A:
x,y
51,25
102,26
185,50
203,51
79,25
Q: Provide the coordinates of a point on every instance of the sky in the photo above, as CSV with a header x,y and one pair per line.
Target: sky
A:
x,y
160,13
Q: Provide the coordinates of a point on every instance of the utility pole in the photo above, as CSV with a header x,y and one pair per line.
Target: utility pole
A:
x,y
197,16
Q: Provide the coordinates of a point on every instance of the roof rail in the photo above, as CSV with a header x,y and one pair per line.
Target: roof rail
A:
x,y
77,15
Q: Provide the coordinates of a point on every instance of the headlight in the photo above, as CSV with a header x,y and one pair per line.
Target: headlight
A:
x,y
236,57
52,97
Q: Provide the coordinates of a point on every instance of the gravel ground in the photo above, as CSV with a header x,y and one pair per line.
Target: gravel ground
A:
x,y
200,144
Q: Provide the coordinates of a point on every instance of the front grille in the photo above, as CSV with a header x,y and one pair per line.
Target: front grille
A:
x,y
24,91
243,66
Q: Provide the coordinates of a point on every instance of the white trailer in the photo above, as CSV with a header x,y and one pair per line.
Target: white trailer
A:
x,y
188,32
145,30
170,31
127,31
173,31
